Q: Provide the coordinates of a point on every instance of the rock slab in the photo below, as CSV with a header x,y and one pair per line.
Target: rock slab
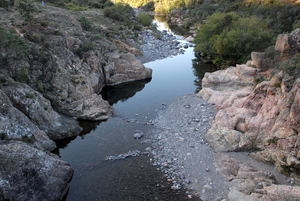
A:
x,y
30,174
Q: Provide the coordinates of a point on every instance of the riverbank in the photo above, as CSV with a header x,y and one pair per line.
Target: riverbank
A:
x,y
181,152
159,45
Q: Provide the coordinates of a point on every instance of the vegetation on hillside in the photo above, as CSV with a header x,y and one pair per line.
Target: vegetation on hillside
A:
x,y
229,30
26,52
162,7
255,27
230,38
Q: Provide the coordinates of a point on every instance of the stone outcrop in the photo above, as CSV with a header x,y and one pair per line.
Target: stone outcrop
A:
x,y
79,79
247,183
258,109
16,125
124,68
70,67
29,174
65,72
33,106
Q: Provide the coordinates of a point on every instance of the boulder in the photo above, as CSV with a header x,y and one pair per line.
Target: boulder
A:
x,y
261,62
287,45
29,174
39,110
124,67
283,192
15,125
223,139
265,116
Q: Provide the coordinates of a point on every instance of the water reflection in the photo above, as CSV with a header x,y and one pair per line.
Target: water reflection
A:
x,y
199,69
122,92
132,178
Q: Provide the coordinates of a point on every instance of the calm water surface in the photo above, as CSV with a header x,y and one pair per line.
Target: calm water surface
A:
x,y
135,104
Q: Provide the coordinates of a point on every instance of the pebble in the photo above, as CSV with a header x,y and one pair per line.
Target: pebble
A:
x,y
179,134
154,49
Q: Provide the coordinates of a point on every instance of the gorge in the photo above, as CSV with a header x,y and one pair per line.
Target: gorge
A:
x,y
52,98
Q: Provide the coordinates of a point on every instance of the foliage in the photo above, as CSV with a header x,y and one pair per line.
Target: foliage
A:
x,y
148,6
75,7
5,4
84,47
85,24
230,38
161,7
22,75
119,12
296,24
291,66
12,46
26,9
144,19
112,13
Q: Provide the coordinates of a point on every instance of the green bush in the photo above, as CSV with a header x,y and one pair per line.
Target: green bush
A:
x,y
119,12
144,19
149,6
5,4
85,24
12,46
75,7
112,13
22,75
291,65
230,39
26,9
84,47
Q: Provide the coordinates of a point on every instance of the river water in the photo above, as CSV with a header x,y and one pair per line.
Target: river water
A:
x,y
135,105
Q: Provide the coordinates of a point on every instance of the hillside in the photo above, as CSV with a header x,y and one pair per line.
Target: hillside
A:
x,y
54,63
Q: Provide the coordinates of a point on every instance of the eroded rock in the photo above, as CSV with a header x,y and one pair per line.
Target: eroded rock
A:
x,y
29,174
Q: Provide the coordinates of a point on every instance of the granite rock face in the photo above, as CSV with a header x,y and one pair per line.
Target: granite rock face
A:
x,y
248,183
29,174
64,73
34,107
258,109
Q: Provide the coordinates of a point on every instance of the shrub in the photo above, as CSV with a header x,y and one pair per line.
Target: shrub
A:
x,y
26,9
119,12
75,7
229,38
112,13
12,45
144,19
5,4
149,6
85,24
160,9
291,65
22,75
84,47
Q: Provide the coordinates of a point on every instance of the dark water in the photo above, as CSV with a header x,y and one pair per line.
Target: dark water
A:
x,y
135,105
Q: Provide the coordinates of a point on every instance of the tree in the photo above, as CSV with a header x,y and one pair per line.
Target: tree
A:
x,y
229,38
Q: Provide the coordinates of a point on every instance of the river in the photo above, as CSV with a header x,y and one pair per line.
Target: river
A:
x,y
135,105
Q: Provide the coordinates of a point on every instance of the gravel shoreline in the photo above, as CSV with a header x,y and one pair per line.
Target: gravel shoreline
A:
x,y
180,151
160,45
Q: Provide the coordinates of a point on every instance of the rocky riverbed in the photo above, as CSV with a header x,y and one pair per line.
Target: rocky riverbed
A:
x,y
160,45
181,152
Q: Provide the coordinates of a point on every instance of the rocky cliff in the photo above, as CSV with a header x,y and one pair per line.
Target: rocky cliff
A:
x,y
258,111
57,83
